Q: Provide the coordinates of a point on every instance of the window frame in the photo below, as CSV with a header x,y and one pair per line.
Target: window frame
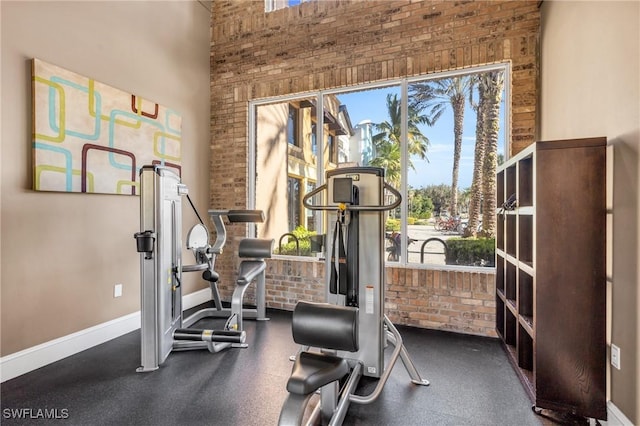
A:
x,y
403,83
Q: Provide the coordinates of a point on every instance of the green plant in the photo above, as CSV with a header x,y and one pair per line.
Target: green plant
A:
x,y
470,251
303,248
290,248
392,225
303,233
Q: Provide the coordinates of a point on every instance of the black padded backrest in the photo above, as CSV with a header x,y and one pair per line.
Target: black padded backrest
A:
x,y
323,325
256,248
245,216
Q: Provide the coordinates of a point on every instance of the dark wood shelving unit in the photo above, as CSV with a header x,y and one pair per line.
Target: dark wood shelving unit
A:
x,y
550,273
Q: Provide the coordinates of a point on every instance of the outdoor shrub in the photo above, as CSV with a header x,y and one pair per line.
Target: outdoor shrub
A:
x,y
291,249
470,251
304,243
392,225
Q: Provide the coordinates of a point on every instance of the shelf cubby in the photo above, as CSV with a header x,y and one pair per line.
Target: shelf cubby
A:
x,y
511,234
500,316
500,273
525,239
510,282
525,349
525,182
510,328
500,231
500,189
510,183
525,296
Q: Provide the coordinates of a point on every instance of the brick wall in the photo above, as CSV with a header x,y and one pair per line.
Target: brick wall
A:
x,y
329,44
458,301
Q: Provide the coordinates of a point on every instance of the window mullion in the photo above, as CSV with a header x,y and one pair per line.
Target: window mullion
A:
x,y
251,166
319,218
404,161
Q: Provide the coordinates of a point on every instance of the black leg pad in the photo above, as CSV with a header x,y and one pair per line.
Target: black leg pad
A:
x,y
211,276
311,371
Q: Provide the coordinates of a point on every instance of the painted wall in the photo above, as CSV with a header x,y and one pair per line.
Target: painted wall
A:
x,y
61,253
590,86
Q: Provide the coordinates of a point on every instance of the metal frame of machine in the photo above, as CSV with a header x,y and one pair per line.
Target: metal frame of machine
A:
x,y
354,308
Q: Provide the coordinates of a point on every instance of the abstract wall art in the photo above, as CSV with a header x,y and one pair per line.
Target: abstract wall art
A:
x,y
90,137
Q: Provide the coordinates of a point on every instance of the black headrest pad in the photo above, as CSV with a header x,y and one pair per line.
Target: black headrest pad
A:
x,y
323,325
259,248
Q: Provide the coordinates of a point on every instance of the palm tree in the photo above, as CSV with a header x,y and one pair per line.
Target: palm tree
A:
x,y
436,96
463,199
480,81
388,157
493,97
387,142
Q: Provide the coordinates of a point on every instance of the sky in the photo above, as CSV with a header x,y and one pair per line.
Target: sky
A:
x,y
371,105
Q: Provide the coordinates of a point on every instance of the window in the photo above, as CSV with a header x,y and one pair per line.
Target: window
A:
x,y
314,142
309,214
332,148
292,126
430,134
294,202
271,5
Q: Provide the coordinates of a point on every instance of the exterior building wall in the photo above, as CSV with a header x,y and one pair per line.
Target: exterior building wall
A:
x,y
277,160
332,44
271,120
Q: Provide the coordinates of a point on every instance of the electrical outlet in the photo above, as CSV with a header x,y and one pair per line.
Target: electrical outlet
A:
x,y
615,356
117,290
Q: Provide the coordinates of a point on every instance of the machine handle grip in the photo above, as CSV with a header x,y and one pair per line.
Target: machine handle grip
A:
x,y
385,207
195,268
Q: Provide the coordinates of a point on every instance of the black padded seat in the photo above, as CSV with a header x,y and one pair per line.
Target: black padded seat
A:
x,y
312,370
249,269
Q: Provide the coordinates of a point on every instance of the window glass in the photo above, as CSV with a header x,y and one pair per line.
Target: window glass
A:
x,y
438,139
294,202
376,141
271,5
286,168
293,136
448,190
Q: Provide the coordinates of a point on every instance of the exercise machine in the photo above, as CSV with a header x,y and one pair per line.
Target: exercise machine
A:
x,y
349,332
252,268
159,243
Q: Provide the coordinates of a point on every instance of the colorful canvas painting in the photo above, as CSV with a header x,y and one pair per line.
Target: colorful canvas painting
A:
x,y
90,137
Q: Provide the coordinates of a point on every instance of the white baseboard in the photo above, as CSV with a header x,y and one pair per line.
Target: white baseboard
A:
x,y
615,417
196,298
27,360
